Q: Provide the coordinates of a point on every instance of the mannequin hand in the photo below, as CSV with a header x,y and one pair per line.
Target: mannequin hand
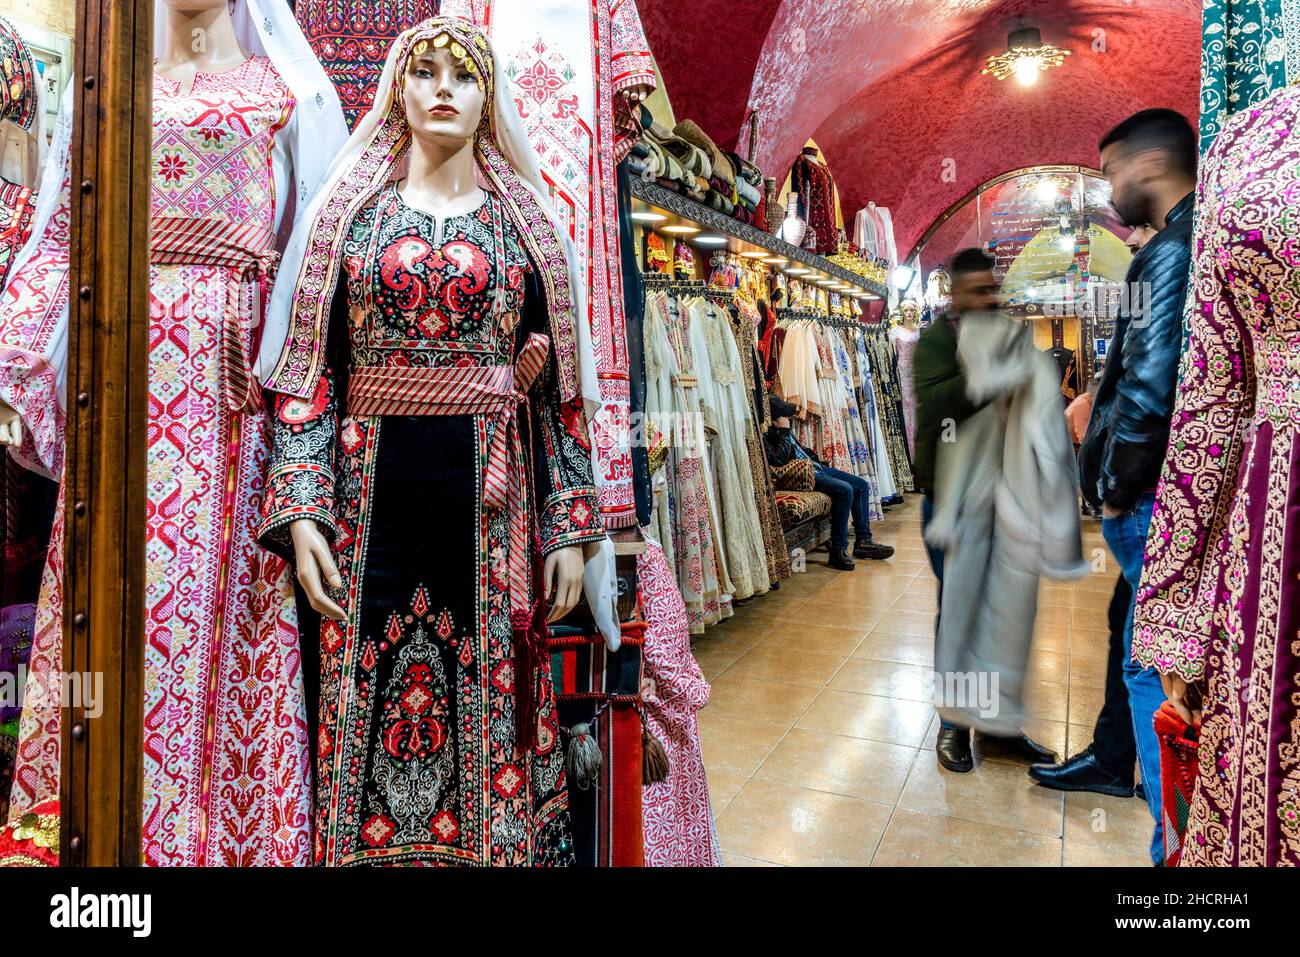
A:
x,y
563,574
638,93
312,552
11,426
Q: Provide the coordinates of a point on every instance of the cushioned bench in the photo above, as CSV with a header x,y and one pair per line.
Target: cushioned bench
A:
x,y
805,515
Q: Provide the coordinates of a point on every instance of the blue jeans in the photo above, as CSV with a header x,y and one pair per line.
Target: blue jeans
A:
x,y
936,565
850,495
1127,538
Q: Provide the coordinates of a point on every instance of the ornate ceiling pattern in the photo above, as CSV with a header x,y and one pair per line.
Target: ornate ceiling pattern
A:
x,y
891,89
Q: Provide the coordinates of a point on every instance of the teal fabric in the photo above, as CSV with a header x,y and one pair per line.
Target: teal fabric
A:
x,y
1249,49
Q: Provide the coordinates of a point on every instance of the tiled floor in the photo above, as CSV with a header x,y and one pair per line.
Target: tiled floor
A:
x,y
819,738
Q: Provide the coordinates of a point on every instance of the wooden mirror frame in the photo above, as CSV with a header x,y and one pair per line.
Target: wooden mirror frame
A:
x,y
105,472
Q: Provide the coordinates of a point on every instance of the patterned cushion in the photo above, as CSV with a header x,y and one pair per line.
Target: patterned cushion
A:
x,y
795,476
797,507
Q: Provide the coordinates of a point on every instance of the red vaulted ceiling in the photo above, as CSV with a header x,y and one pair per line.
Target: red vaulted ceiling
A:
x,y
892,93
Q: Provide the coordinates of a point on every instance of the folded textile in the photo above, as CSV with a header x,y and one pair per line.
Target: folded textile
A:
x,y
720,164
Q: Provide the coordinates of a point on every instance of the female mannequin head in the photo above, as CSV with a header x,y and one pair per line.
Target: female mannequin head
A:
x,y
444,94
908,314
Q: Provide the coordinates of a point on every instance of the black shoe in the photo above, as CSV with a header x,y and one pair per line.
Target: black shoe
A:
x,y
1022,748
1081,773
867,549
953,749
842,560
1139,791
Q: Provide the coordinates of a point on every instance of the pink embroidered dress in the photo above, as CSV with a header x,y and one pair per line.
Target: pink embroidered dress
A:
x,y
225,749
568,60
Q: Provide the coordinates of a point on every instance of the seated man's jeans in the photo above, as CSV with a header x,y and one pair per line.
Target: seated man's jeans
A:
x,y
850,495
1127,537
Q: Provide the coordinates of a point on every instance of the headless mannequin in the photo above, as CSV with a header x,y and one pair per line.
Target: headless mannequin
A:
x,y
200,39
444,105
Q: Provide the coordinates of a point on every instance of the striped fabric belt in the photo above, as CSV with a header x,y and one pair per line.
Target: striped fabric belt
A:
x,y
496,391
249,250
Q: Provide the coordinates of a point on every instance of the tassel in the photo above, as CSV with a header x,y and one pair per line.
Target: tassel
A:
x,y
584,758
654,759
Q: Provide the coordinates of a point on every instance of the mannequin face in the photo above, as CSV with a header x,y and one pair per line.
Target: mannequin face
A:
x,y
444,103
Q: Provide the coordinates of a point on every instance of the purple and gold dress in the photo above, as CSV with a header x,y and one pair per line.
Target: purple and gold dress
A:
x,y
1220,596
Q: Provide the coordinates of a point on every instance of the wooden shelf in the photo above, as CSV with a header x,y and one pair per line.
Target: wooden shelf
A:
x,y
741,237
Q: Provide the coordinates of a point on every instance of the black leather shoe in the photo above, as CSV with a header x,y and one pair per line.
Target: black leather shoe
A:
x,y
953,749
1139,791
1082,773
870,551
842,560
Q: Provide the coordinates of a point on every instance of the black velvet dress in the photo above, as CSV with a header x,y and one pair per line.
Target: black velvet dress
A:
x,y
416,747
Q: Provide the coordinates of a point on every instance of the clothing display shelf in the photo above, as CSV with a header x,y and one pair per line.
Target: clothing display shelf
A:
x,y
813,315
741,237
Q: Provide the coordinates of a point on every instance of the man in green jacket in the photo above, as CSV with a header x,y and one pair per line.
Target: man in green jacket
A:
x,y
941,406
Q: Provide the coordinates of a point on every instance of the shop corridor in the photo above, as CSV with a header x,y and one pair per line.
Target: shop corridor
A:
x,y
819,741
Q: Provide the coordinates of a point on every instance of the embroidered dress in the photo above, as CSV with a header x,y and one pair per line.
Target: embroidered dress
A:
x,y
722,394
568,60
859,450
684,519
16,209
225,750
677,814
1220,596
351,39
441,333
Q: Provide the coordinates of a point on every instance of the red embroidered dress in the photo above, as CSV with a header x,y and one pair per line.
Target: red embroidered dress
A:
x,y
225,749
396,456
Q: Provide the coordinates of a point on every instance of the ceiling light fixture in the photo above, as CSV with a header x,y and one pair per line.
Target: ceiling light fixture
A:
x,y
1026,57
711,240
645,216
680,229
754,255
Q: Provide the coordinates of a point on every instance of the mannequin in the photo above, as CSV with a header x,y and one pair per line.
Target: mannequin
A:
x,y
905,332
226,773
430,475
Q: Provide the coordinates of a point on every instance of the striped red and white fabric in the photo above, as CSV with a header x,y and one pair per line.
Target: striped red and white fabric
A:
x,y
247,249
476,390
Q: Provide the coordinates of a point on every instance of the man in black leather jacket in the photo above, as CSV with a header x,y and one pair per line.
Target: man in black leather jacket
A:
x,y
1150,160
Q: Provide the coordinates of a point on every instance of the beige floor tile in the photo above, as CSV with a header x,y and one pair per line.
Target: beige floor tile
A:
x,y
818,639
886,678
1085,703
869,716
1079,854
1048,700
836,614
771,702
799,827
918,624
993,793
715,655
736,744
740,860
787,665
1053,666
1121,823
1087,668
854,767
905,649
723,786
916,839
